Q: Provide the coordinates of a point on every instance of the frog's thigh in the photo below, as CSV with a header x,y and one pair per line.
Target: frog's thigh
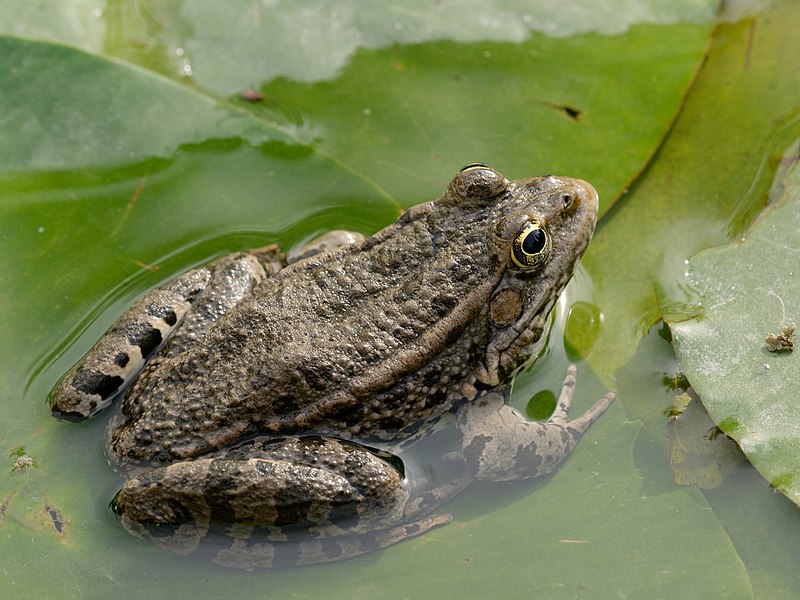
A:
x,y
336,493
191,301
233,278
500,444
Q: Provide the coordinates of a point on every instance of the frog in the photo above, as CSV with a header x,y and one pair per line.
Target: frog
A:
x,y
261,395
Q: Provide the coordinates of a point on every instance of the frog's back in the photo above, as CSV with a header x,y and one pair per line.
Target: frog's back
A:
x,y
360,341
373,339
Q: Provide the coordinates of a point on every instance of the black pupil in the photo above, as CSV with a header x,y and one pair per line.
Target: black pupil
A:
x,y
533,242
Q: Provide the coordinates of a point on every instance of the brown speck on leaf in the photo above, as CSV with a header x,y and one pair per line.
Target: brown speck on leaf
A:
x,y
145,266
22,463
782,341
4,506
569,111
251,95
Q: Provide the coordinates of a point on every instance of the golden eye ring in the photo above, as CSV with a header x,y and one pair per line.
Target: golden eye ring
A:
x,y
530,246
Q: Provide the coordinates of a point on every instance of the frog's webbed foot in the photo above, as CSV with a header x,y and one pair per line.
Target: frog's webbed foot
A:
x,y
498,443
175,315
296,500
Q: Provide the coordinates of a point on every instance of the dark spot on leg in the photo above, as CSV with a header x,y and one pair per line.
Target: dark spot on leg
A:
x,y
574,433
527,460
165,313
121,359
344,513
93,382
473,452
147,338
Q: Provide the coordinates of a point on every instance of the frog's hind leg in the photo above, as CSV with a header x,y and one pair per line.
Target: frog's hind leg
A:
x,y
188,304
233,279
295,500
498,443
251,554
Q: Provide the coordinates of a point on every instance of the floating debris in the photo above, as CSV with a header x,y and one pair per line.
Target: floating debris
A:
x,y
783,341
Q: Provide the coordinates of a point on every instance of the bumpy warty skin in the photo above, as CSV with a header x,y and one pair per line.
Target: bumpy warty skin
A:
x,y
261,393
369,340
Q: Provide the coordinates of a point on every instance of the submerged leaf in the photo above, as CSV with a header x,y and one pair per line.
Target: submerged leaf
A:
x,y
698,456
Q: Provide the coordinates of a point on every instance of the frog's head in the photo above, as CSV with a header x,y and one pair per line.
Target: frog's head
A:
x,y
538,231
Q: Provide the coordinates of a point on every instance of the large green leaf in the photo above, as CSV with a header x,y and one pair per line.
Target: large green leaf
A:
x,y
446,84
746,291
707,182
120,168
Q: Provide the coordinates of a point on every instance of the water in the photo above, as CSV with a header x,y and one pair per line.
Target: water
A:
x,y
77,246
131,241
625,455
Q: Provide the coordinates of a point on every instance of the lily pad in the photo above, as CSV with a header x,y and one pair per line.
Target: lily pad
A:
x,y
710,179
120,167
405,96
747,291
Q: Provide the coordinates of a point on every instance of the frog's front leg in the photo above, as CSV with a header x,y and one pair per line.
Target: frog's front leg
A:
x,y
180,310
498,443
314,499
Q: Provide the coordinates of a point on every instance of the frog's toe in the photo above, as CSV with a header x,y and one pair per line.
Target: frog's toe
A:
x,y
560,415
583,422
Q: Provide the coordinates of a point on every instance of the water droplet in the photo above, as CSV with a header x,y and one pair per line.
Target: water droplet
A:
x,y
40,230
487,54
367,111
98,12
179,51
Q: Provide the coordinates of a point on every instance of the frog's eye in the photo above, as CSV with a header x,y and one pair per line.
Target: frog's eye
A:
x,y
476,183
530,246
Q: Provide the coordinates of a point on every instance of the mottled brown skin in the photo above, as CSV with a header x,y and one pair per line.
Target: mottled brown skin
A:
x,y
371,339
240,419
